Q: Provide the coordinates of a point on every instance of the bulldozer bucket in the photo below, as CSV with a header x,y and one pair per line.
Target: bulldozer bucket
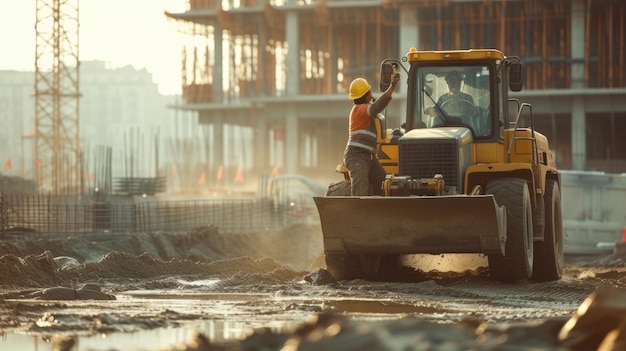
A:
x,y
412,224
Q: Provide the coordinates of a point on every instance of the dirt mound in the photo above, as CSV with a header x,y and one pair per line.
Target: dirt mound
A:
x,y
30,271
123,265
42,271
254,257
297,246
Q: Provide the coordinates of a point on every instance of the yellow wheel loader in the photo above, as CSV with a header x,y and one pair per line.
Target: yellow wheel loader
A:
x,y
466,173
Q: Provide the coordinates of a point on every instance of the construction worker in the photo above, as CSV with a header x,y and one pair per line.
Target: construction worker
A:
x,y
360,154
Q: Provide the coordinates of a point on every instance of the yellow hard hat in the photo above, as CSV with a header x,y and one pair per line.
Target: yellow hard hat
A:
x,y
358,88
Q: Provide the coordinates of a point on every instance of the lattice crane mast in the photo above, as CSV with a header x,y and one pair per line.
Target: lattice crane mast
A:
x,y
57,148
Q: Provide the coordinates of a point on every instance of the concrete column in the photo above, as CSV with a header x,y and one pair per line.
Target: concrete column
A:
x,y
218,142
218,77
261,144
292,140
263,78
578,44
579,143
292,89
409,31
293,59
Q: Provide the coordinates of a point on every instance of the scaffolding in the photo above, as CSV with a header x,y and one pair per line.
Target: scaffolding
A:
x,y
240,59
341,40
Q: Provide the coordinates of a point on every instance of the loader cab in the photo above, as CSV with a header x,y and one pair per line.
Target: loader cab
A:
x,y
467,88
459,95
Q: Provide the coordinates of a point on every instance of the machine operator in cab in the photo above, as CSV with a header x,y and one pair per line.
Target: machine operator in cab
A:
x,y
360,154
455,103
454,80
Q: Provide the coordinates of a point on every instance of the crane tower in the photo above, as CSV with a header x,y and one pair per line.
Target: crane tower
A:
x,y
57,149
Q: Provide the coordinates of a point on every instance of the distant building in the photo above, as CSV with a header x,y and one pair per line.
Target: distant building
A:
x,y
113,101
119,108
17,117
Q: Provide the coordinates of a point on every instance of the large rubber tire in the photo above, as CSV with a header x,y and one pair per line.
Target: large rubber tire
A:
x,y
549,253
389,269
348,267
517,262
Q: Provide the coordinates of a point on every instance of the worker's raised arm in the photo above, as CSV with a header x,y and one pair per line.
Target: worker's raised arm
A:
x,y
382,102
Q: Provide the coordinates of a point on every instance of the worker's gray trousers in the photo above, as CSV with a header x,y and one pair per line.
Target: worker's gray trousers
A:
x,y
364,170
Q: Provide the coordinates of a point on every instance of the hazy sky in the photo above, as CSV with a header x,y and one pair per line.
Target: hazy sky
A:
x,y
121,32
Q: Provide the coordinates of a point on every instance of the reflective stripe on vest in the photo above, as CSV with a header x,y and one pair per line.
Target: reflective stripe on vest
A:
x,y
364,139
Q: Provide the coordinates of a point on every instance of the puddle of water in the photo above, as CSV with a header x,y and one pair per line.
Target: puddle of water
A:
x,y
325,305
206,282
337,306
374,306
157,339
219,330
166,295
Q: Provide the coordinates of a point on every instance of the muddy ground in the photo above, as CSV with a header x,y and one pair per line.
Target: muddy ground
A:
x,y
206,290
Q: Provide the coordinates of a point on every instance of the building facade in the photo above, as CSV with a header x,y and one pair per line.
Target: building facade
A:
x,y
281,69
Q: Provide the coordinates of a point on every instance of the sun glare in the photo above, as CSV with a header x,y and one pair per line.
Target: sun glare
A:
x,y
118,32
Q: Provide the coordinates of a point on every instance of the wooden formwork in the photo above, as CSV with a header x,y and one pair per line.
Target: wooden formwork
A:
x,y
339,43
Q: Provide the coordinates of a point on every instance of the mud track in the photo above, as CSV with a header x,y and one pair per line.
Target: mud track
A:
x,y
204,290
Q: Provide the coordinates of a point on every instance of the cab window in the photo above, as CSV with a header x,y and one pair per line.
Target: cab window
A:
x,y
455,96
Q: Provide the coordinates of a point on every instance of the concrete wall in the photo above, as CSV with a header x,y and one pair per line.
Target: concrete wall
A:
x,y
593,210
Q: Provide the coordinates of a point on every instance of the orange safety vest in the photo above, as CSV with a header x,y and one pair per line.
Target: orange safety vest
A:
x,y
362,128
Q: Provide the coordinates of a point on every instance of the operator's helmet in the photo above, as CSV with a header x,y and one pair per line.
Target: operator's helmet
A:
x,y
358,88
454,76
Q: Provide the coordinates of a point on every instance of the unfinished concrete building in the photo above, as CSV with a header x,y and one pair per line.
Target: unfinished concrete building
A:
x,y
282,68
